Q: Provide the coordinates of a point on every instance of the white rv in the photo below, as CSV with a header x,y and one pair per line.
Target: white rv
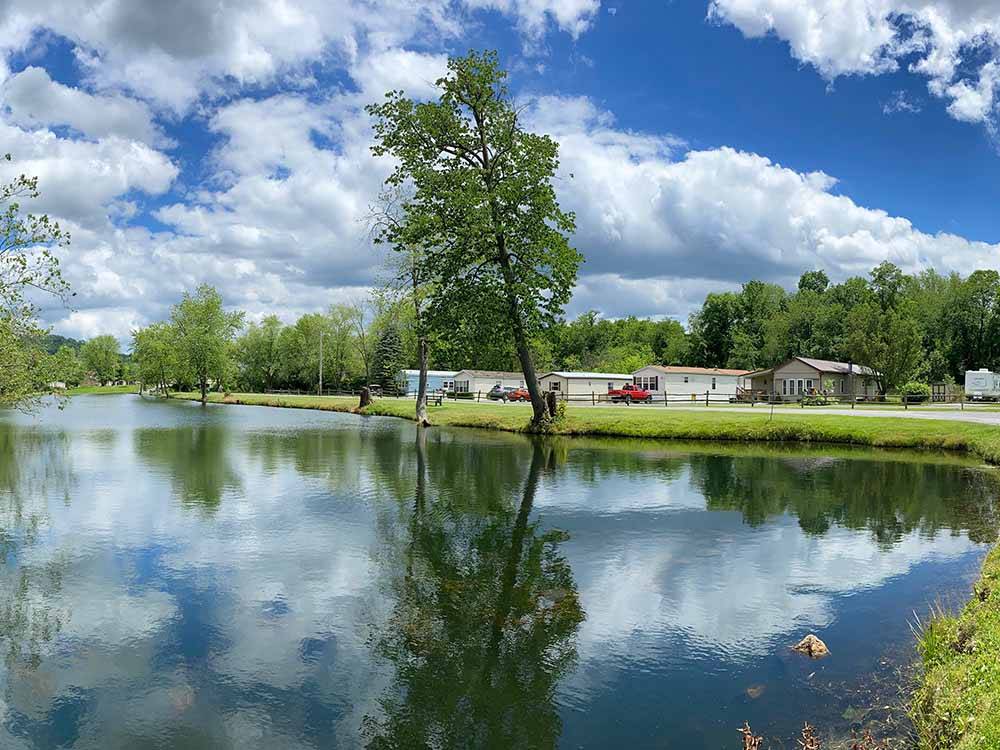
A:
x,y
982,385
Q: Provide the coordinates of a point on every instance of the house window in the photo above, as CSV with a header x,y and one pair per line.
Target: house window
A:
x,y
611,386
843,386
798,387
784,387
647,383
713,384
685,378
555,385
462,386
809,386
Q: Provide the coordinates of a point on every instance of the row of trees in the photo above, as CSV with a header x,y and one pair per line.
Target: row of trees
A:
x,y
925,326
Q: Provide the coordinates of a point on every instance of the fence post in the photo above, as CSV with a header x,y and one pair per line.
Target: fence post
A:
x,y
593,399
666,401
706,398
906,402
478,394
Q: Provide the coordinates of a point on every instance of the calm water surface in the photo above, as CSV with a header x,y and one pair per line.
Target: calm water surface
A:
x,y
173,576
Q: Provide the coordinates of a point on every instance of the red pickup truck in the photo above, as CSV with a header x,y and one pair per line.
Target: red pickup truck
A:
x,y
629,393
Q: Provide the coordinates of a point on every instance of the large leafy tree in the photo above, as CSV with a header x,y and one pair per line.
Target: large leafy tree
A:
x,y
483,209
205,333
66,366
102,357
154,350
259,353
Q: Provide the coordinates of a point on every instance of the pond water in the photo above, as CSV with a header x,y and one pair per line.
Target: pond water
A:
x,y
176,576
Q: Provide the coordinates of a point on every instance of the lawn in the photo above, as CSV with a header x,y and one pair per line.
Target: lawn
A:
x,y
101,389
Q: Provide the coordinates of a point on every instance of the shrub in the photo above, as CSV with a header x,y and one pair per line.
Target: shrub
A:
x,y
915,391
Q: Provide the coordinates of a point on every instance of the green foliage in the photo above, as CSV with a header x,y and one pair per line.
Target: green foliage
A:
x,y
102,357
259,355
155,350
27,261
915,388
66,366
388,358
483,210
204,334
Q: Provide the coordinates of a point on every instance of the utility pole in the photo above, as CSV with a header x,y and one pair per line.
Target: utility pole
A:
x,y
321,362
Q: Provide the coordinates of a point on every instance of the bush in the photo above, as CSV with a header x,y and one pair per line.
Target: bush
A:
x,y
915,392
463,395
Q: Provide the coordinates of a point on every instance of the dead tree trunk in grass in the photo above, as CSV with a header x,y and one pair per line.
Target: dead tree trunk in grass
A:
x,y
366,398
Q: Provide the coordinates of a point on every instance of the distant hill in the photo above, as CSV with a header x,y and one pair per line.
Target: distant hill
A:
x,y
51,343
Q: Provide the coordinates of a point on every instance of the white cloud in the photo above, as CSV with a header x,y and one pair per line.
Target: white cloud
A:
x,y
644,214
955,41
34,99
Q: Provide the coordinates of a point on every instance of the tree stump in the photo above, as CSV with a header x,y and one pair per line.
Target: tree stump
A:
x,y
366,398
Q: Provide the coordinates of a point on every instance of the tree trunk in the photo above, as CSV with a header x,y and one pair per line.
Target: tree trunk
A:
x,y
508,580
422,419
366,397
204,390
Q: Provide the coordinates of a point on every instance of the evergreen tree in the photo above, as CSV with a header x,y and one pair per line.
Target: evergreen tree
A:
x,y
388,358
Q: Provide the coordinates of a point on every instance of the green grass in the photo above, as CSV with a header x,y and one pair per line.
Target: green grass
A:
x,y
957,703
101,389
752,425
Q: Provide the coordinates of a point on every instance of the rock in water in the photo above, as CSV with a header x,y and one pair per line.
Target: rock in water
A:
x,y
755,691
812,647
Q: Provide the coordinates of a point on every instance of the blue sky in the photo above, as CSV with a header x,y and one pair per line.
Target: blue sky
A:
x,y
703,143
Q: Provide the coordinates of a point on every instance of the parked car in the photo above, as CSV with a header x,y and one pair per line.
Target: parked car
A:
x,y
499,393
629,393
519,394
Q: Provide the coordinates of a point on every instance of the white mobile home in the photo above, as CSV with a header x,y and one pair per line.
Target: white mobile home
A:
x,y
690,380
582,383
483,381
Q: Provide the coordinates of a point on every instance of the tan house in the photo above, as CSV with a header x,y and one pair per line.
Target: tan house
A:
x,y
801,376
677,380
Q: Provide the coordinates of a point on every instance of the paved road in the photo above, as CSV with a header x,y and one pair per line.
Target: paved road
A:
x,y
948,415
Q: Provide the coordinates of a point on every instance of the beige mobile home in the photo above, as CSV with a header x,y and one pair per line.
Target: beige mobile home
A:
x,y
582,383
483,381
682,381
804,375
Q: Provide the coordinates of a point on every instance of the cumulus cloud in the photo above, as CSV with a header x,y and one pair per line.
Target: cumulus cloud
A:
x,y
953,43
172,53
648,210
34,100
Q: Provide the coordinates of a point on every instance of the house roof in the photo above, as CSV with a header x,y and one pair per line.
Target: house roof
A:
x,y
590,375
433,373
491,374
694,370
822,365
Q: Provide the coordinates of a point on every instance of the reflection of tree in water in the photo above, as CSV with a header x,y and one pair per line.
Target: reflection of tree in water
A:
x,y
34,467
196,459
889,498
483,628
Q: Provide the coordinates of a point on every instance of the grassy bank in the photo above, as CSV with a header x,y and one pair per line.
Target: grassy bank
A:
x,y
957,704
101,389
804,426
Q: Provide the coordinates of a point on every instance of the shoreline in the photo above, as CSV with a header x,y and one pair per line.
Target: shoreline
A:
x,y
976,439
